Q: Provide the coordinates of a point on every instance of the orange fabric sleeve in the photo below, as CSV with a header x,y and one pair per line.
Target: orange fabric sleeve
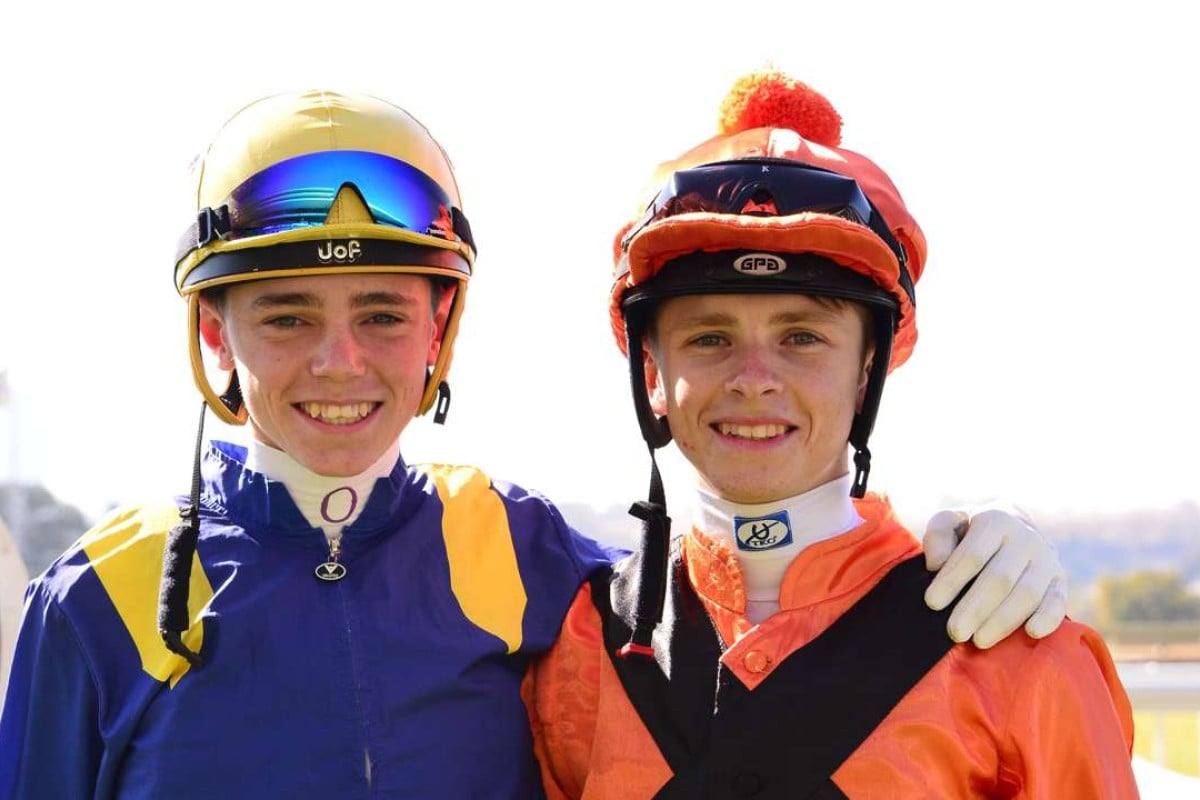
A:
x,y
561,693
1061,736
589,740
1026,719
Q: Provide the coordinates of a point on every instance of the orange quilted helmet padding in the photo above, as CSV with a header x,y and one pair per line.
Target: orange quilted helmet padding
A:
x,y
769,115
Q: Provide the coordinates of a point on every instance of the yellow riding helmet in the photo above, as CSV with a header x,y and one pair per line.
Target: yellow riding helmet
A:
x,y
320,183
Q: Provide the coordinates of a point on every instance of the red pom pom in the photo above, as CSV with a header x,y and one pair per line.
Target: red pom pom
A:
x,y
770,99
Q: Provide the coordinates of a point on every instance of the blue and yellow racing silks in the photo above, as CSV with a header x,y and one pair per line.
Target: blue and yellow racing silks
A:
x,y
400,680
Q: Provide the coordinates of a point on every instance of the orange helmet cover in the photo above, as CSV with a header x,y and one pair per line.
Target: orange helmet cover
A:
x,y
769,115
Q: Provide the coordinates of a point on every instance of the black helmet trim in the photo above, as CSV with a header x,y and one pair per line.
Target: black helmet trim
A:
x,y
756,272
324,255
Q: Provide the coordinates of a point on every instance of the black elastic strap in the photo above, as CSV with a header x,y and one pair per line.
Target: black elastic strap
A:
x,y
654,429
462,228
652,578
177,564
864,418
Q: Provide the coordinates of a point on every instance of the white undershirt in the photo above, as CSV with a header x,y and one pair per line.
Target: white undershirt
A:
x,y
818,514
328,503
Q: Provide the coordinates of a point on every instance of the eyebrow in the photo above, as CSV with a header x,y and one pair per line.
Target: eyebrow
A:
x,y
717,319
307,300
369,299
290,299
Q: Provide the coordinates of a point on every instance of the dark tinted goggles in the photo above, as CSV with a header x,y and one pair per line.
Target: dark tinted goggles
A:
x,y
765,187
299,192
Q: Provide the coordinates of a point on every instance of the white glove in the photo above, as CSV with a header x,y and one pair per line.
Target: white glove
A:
x,y
1020,575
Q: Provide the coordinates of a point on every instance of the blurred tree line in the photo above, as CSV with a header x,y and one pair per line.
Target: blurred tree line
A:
x,y
1145,597
1139,567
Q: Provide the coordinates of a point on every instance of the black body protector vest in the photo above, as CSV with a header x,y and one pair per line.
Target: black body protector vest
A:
x,y
786,738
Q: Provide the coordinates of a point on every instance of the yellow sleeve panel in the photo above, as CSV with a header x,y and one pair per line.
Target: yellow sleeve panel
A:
x,y
484,575
126,552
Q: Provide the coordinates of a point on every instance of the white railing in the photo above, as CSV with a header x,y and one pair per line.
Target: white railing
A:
x,y
1159,688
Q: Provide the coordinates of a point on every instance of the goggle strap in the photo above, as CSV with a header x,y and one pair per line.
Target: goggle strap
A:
x,y
210,224
178,553
462,228
881,230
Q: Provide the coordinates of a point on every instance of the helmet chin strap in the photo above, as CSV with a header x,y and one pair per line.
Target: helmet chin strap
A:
x,y
441,406
231,398
656,525
178,554
864,420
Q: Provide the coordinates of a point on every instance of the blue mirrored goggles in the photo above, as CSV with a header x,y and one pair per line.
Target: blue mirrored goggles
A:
x,y
298,193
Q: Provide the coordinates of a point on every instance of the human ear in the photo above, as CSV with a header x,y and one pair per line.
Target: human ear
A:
x,y
213,334
654,382
864,376
440,316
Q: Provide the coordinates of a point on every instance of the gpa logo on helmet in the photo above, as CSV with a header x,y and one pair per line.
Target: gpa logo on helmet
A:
x,y
759,264
339,252
763,533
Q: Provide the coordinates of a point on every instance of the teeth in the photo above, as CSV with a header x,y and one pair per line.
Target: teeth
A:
x,y
751,431
344,414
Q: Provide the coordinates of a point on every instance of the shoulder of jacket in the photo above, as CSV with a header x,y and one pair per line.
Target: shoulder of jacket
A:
x,y
456,478
127,523
456,482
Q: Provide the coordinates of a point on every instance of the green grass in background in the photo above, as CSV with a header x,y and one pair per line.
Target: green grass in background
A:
x,y
1182,746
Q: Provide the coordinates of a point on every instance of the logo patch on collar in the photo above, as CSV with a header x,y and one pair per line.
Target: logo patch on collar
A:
x,y
763,533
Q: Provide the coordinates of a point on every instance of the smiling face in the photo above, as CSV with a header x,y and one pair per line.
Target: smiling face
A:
x,y
332,367
759,390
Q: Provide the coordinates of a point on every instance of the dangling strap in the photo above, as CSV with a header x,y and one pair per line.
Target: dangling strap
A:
x,y
177,564
652,577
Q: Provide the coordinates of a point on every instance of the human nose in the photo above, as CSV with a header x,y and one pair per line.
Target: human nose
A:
x,y
753,374
339,354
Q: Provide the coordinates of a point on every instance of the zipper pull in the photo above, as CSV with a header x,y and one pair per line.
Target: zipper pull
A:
x,y
332,570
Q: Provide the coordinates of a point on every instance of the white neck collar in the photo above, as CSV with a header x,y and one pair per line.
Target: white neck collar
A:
x,y
766,537
328,503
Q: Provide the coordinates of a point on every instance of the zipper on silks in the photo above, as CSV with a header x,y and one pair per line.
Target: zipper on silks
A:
x,y
333,570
